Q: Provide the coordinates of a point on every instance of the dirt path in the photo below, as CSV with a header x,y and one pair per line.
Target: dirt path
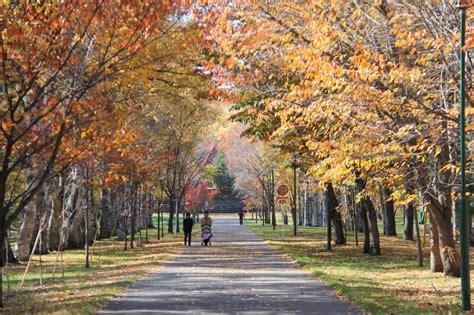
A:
x,y
239,273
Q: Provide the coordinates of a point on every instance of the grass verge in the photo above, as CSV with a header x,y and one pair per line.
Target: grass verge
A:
x,y
79,290
388,284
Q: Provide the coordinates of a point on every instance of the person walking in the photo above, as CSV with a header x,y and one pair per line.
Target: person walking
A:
x,y
241,217
206,232
188,229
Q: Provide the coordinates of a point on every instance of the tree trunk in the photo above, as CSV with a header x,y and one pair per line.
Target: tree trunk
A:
x,y
300,206
362,212
76,230
178,210
123,211
369,219
171,217
55,218
133,217
75,209
408,226
8,255
92,224
106,216
43,209
440,201
418,241
383,216
441,216
436,264
151,208
449,255
351,204
389,207
336,218
374,230
28,221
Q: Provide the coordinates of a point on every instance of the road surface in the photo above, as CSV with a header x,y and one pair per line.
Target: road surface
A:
x,y
238,274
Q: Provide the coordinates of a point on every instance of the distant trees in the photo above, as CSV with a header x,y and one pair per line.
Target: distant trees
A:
x,y
218,173
221,176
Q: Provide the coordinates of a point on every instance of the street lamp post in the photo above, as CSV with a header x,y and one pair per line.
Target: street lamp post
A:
x,y
158,206
174,208
463,206
176,226
162,223
294,165
263,206
268,206
272,194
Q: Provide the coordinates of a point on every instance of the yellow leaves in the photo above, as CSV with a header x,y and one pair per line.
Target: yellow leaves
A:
x,y
6,126
400,43
364,96
402,198
470,127
469,40
231,62
372,77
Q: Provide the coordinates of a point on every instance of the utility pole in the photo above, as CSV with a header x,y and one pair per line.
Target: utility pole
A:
x,y
463,204
263,201
294,165
178,205
158,219
162,224
272,193
174,208
176,216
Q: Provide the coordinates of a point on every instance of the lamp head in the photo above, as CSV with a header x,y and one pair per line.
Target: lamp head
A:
x,y
295,160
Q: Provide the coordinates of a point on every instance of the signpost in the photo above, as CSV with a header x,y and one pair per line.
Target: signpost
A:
x,y
282,221
272,196
282,191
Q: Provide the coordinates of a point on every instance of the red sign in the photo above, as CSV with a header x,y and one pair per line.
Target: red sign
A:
x,y
282,190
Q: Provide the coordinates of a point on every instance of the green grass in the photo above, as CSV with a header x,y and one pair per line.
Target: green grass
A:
x,y
387,284
81,290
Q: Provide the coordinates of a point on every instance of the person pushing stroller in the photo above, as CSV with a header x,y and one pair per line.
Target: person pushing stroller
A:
x,y
206,231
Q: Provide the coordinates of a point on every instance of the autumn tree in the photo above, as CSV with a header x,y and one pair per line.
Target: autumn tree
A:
x,y
362,90
54,56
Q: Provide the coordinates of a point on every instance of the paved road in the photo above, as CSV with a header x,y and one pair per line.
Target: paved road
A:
x,y
238,274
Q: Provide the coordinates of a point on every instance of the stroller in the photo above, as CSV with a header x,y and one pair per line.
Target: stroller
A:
x,y
206,235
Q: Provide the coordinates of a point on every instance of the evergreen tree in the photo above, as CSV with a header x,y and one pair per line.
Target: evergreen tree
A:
x,y
223,179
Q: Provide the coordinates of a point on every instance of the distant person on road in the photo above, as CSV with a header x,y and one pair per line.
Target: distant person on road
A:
x,y
241,217
206,232
188,229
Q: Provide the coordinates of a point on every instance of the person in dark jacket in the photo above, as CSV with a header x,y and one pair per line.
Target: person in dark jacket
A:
x,y
188,229
241,217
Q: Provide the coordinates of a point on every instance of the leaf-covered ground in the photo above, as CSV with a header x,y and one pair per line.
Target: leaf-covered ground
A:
x,y
390,283
81,290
